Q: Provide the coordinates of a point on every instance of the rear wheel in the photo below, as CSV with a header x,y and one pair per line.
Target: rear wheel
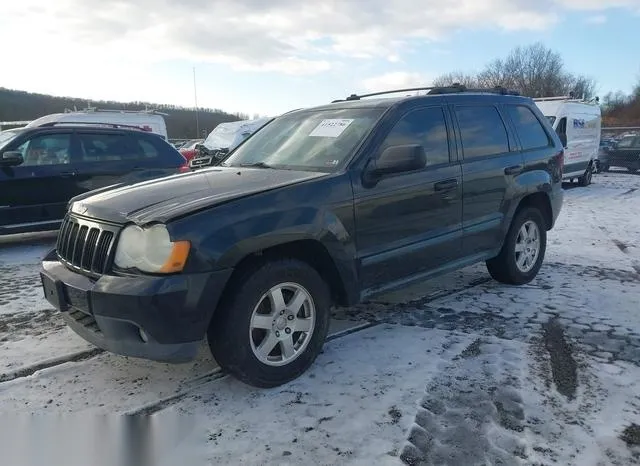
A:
x,y
271,326
523,250
585,180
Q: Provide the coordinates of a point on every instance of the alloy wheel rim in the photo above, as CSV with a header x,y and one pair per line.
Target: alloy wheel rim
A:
x,y
527,247
282,324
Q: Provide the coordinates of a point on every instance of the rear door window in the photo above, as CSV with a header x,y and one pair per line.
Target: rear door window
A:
x,y
482,131
106,147
532,134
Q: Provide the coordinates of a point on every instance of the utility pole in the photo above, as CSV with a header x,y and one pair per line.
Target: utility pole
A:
x,y
195,98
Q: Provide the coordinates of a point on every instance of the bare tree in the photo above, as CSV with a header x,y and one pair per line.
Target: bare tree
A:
x,y
448,79
614,100
534,70
581,86
636,89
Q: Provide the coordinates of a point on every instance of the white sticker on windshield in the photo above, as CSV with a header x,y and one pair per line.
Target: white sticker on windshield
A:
x,y
331,128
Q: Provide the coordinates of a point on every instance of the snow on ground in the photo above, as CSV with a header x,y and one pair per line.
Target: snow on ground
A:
x,y
457,370
20,257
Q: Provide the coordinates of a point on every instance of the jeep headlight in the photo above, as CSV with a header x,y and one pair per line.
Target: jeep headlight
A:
x,y
150,250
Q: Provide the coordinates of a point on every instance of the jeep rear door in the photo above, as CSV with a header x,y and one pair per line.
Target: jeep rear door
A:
x,y
410,223
491,160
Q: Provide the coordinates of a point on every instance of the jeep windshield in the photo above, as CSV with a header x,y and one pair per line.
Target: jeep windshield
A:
x,y
320,141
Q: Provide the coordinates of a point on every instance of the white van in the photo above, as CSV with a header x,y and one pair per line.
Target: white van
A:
x,y
578,124
151,121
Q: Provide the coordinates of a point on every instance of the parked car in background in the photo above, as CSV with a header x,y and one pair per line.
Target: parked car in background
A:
x,y
223,139
150,121
322,206
625,154
605,145
188,149
578,124
43,167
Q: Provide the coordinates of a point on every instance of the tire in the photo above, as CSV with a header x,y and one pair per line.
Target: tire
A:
x,y
504,267
250,315
585,180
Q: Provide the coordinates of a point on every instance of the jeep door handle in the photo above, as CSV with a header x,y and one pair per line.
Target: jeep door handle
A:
x,y
68,174
514,170
446,185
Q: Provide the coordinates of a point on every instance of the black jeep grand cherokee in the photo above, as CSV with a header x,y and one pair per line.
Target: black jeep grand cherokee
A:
x,y
322,206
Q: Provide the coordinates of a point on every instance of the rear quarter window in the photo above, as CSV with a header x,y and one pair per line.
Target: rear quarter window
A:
x,y
530,130
158,151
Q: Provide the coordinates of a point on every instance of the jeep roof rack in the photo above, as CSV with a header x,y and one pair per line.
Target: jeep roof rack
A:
x,y
90,123
434,90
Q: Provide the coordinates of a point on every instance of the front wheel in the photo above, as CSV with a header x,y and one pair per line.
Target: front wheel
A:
x,y
272,324
523,250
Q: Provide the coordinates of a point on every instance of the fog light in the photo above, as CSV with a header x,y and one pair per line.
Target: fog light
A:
x,y
144,336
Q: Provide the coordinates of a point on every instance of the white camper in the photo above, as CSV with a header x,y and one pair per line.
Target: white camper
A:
x,y
578,124
151,121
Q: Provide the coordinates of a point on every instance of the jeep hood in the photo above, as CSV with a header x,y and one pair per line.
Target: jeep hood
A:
x,y
163,199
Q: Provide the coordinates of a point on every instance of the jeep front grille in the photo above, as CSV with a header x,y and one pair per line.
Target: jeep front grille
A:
x,y
85,245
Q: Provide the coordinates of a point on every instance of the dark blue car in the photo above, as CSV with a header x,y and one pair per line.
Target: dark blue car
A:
x,y
42,168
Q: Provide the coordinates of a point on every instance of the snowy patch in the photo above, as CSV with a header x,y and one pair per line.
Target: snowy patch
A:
x,y
353,406
457,370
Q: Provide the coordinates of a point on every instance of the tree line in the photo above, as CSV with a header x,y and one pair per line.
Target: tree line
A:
x,y
181,121
537,71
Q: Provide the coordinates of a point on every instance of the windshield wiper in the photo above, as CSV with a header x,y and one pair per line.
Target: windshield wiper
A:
x,y
256,165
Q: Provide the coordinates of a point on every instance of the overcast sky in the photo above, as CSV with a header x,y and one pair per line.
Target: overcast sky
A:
x,y
270,56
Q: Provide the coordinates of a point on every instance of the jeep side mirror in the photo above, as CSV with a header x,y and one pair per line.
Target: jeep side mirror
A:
x,y
11,158
397,159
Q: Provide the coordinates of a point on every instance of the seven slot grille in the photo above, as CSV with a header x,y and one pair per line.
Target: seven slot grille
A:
x,y
83,245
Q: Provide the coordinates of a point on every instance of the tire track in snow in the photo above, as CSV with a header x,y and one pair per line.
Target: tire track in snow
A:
x,y
472,413
32,369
